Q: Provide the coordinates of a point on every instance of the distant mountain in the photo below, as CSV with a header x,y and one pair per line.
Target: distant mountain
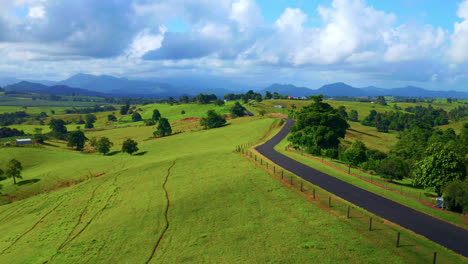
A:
x,y
125,87
342,89
30,87
288,89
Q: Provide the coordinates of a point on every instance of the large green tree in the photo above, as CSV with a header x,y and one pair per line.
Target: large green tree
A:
x,y
103,145
129,146
156,115
456,196
440,166
90,119
212,120
163,129
58,127
237,110
136,117
13,170
77,139
319,126
355,154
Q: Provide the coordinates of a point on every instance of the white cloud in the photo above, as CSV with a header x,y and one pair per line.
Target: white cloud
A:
x,y
36,12
458,51
144,42
291,19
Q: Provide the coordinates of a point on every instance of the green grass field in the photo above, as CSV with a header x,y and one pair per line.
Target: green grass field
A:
x,y
72,207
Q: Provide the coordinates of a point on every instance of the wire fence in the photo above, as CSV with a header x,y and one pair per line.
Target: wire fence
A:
x,y
401,242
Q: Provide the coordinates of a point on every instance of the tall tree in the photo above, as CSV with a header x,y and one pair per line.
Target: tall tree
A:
x,y
77,139
124,109
356,153
212,120
381,100
353,116
13,170
104,145
267,96
136,117
342,112
90,119
156,115
237,110
440,166
130,146
163,129
58,127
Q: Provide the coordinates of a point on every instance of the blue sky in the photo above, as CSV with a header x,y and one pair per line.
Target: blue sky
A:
x,y
255,42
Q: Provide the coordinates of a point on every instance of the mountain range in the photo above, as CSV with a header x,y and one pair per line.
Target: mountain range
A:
x,y
104,85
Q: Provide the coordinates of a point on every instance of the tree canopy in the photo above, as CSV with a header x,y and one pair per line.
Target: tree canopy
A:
x,y
212,120
14,169
58,127
136,117
163,129
130,146
156,115
103,145
237,110
77,139
90,119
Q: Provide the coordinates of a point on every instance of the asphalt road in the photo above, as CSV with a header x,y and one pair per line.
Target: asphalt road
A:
x,y
441,232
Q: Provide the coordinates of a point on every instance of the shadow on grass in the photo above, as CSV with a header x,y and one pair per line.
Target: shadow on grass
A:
x,y
27,182
2,178
113,153
50,145
360,132
140,153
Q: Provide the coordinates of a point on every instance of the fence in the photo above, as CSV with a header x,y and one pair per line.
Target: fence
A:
x,y
399,241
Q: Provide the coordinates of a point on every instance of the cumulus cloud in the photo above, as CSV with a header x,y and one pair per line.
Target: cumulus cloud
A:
x,y
458,51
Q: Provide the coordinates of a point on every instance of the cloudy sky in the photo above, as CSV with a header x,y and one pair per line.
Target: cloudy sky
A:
x,y
304,42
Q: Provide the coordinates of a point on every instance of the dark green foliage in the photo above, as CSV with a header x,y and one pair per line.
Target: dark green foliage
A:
x,y
392,168
111,118
330,153
90,119
212,120
13,170
38,136
58,127
183,111
77,139
124,109
205,98
258,98
163,129
262,112
449,100
440,166
276,96
318,126
219,102
456,196
353,116
7,119
267,96
103,145
381,100
156,115
184,99
6,132
342,112
237,110
130,146
150,122
88,110
136,117
355,154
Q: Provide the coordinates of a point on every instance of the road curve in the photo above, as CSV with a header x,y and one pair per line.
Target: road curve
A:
x,y
441,232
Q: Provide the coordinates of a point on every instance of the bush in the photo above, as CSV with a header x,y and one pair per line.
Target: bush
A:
x,y
130,146
237,110
212,120
456,196
150,122
136,117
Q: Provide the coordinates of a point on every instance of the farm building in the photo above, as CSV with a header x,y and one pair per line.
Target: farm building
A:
x,y
279,106
24,141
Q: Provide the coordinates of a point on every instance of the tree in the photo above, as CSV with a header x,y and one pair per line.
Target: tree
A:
x,y
129,146
163,129
13,170
38,135
267,96
156,115
111,118
342,112
262,112
258,98
104,145
182,112
449,100
219,102
392,168
440,166
124,109
90,119
353,116
276,96
355,154
77,139
212,120
237,110
58,127
381,100
455,196
136,117
318,126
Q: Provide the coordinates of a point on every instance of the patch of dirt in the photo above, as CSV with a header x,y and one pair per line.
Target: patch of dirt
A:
x,y
191,119
278,115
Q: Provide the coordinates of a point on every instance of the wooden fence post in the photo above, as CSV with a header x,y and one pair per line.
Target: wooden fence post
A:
x,y
370,224
398,240
347,216
274,169
291,180
434,258
329,201
301,186
282,172
313,194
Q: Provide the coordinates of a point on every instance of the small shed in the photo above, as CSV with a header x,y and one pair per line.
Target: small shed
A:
x,y
279,106
23,141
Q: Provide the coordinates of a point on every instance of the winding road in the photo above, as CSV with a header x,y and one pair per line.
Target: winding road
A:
x,y
441,232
